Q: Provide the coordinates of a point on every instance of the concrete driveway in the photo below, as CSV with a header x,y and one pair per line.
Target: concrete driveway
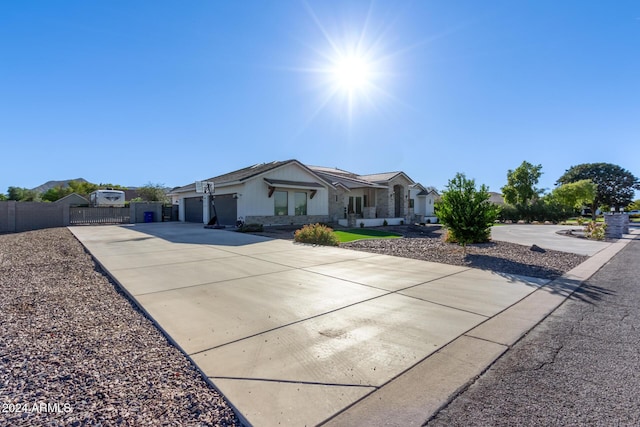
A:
x,y
295,334
547,237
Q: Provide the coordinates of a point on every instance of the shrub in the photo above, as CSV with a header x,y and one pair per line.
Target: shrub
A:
x,y
595,231
362,225
466,212
385,223
250,228
316,234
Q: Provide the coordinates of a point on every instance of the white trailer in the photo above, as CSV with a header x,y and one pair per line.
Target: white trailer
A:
x,y
111,198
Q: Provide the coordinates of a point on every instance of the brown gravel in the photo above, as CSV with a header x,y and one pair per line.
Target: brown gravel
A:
x,y
426,243
70,340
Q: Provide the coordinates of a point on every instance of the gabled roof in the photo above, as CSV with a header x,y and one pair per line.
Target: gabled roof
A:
x,y
241,175
385,177
333,171
424,191
73,199
345,179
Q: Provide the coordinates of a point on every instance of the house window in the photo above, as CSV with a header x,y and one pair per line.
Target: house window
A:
x,y
300,203
355,205
281,200
411,203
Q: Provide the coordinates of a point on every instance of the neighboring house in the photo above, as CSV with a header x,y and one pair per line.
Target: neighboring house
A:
x,y
422,201
289,192
73,199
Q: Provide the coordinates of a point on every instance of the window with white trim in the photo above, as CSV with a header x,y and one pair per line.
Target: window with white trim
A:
x,y
281,203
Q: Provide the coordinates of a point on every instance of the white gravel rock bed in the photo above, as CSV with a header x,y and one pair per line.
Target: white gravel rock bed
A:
x,y
427,244
75,351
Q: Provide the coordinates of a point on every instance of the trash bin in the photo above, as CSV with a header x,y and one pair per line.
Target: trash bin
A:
x,y
148,217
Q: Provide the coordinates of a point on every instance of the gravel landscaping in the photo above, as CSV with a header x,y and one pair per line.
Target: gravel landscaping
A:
x,y
426,243
75,351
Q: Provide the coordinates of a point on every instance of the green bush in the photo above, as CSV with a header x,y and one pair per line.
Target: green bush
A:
x,y
385,223
595,230
466,212
539,210
250,228
316,234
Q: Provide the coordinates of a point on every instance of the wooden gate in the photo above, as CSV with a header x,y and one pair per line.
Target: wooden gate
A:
x,y
98,216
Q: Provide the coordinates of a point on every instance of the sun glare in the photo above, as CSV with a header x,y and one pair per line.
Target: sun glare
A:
x,y
352,66
352,73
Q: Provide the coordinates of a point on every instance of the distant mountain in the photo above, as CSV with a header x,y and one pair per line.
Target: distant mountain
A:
x,y
496,198
53,184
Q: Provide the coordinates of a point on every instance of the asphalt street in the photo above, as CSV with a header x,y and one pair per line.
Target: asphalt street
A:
x,y
580,366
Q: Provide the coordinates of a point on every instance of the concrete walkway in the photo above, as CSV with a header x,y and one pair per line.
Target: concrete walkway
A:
x,y
300,335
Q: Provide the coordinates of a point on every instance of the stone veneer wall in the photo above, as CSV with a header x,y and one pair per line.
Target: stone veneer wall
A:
x,y
286,219
382,203
369,212
336,208
617,225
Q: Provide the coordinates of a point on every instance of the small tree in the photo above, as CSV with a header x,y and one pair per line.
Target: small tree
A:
x,y
521,184
153,193
466,212
575,194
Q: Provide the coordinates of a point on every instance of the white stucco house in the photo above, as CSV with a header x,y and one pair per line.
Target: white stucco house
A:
x,y
291,193
423,200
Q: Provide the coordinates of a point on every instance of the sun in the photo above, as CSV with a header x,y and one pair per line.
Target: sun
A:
x,y
352,73
352,65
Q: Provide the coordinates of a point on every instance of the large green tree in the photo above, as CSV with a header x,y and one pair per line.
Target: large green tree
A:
x,y
521,184
616,185
466,211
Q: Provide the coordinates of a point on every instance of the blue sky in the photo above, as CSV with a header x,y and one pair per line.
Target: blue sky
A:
x,y
132,92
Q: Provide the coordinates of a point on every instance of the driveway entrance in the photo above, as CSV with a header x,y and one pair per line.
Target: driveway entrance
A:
x,y
294,334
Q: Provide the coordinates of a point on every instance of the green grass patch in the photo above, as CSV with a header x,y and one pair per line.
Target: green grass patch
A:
x,y
364,233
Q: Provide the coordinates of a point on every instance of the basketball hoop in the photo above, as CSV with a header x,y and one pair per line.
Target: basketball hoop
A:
x,y
205,187
208,187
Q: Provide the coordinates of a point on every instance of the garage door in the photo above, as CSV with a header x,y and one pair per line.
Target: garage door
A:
x,y
193,209
226,208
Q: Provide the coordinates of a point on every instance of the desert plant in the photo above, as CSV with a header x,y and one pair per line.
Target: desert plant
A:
x,y
595,231
466,212
250,228
316,234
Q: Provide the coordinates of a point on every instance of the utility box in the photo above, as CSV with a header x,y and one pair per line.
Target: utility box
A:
x,y
148,217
